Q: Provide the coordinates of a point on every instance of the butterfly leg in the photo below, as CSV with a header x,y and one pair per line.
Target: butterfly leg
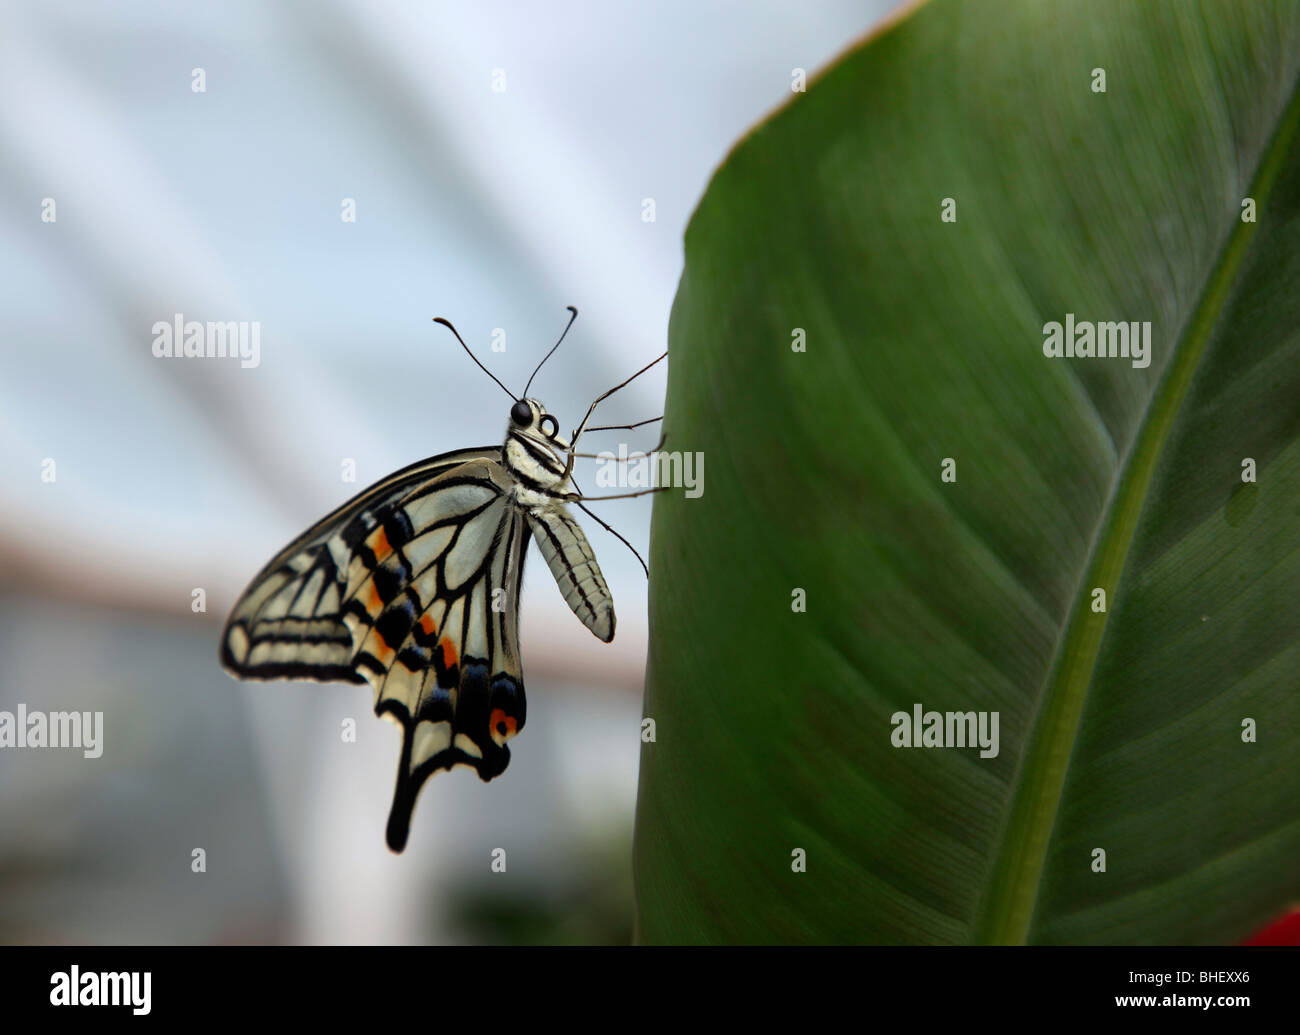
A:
x,y
573,439
610,529
606,456
578,497
575,497
626,427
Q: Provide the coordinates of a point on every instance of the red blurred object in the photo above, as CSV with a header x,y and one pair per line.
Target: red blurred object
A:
x,y
1284,931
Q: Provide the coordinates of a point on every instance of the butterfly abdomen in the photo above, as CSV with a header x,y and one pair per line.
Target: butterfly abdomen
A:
x,y
572,562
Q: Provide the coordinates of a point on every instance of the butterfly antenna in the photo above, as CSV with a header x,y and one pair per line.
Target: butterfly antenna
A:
x,y
447,324
555,346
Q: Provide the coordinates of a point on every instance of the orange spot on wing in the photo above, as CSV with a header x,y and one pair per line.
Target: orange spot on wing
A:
x,y
426,623
448,653
379,544
376,601
378,646
500,718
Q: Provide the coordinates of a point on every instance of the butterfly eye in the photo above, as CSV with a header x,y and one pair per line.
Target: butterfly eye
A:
x,y
521,413
555,426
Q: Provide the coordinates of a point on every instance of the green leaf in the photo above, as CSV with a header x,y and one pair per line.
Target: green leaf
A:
x,y
1120,731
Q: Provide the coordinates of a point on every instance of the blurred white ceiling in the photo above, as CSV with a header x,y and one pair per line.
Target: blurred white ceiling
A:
x,y
495,209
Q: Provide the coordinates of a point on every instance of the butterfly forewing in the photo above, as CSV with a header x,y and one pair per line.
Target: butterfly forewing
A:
x,y
293,604
395,588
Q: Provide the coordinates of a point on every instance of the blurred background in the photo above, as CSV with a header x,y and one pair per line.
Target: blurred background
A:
x,y
500,161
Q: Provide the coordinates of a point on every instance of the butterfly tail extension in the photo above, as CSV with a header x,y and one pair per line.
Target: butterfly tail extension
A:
x,y
488,712
572,562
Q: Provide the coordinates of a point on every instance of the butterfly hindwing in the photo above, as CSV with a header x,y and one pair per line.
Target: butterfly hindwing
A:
x,y
396,588
445,657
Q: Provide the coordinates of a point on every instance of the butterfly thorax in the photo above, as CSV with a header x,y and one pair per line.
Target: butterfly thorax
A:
x,y
535,455
537,459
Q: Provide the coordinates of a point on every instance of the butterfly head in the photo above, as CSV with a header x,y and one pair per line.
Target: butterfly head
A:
x,y
533,447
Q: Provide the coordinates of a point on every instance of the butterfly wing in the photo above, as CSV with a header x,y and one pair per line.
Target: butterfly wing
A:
x,y
396,588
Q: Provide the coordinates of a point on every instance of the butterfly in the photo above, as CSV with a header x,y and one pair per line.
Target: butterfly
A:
x,y
413,587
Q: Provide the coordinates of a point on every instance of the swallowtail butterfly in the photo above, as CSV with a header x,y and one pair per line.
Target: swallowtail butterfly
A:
x,y
413,587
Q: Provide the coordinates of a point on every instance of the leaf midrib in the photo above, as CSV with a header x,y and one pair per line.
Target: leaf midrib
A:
x,y
1012,894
